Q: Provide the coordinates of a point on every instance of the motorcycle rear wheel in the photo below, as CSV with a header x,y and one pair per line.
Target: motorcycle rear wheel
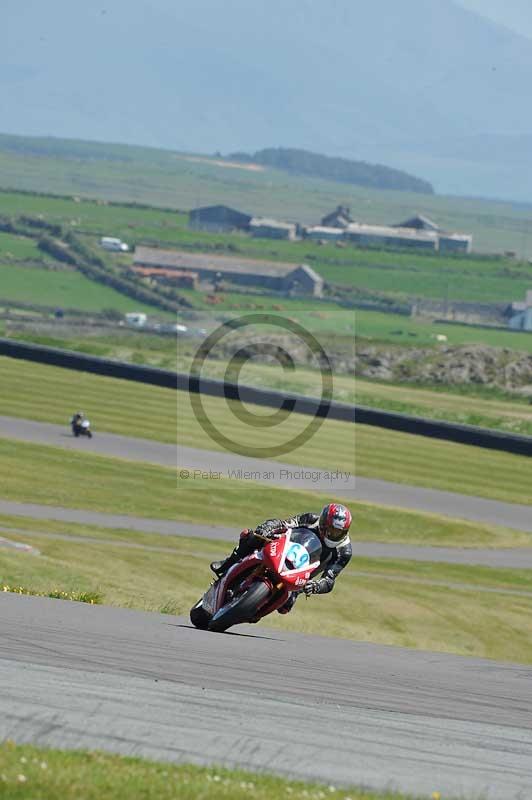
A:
x,y
243,609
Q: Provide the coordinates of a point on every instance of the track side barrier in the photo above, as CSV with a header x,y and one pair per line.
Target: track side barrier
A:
x,y
84,363
420,426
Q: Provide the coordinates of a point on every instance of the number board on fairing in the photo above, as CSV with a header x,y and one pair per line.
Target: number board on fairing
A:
x,y
297,555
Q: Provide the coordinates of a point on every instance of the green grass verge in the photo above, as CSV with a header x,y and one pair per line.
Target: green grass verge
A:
x,y
476,408
461,609
417,460
56,477
113,405
372,523
129,408
56,594
45,774
374,453
472,405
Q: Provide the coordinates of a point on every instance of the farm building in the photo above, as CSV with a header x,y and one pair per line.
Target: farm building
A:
x,y
176,277
272,229
339,218
447,242
304,280
455,243
280,277
322,233
218,219
389,236
520,314
419,223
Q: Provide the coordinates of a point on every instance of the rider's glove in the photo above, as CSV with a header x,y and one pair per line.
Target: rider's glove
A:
x,y
271,529
321,586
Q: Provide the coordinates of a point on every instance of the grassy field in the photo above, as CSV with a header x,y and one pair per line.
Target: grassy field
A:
x,y
163,178
468,610
19,248
395,274
45,774
63,289
317,316
321,317
399,329
122,407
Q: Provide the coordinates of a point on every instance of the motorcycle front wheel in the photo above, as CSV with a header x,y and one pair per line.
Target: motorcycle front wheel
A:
x,y
242,609
199,617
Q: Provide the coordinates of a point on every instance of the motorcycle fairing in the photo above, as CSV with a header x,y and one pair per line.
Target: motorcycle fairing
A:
x,y
282,550
282,564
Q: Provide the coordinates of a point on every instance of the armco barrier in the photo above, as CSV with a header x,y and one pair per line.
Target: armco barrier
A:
x,y
435,429
450,431
83,363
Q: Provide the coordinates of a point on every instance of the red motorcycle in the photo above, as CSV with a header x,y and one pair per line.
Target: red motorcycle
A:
x,y
259,583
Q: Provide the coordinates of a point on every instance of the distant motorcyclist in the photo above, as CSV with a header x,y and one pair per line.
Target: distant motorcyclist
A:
x,y
77,419
331,525
80,425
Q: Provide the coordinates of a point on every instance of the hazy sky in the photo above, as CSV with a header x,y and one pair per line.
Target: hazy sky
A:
x,y
515,14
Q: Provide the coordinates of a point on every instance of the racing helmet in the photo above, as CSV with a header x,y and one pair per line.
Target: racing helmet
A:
x,y
334,523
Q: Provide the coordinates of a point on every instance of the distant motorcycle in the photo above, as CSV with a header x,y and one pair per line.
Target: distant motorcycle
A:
x,y
82,428
259,583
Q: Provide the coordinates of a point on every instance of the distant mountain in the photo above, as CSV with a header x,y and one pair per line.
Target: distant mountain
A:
x,y
302,162
395,83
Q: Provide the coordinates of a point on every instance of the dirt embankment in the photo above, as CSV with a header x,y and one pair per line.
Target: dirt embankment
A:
x,y
466,364
445,364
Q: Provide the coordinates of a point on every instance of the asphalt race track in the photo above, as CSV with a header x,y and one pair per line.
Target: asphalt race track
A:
x,y
342,712
79,676
363,489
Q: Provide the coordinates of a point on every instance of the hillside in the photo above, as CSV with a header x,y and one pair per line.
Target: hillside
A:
x,y
399,84
176,180
343,170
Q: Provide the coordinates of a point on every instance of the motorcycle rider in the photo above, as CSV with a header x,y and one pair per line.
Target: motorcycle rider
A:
x,y
77,419
331,525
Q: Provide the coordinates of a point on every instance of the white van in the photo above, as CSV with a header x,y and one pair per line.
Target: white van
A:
x,y
110,243
136,319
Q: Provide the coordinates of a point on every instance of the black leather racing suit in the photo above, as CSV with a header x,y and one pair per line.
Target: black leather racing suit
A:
x,y
333,560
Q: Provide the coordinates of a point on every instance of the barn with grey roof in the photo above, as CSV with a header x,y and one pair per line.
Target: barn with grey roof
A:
x,y
273,275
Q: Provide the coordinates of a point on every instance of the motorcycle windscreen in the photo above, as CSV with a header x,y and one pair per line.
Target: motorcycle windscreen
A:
x,y
304,549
